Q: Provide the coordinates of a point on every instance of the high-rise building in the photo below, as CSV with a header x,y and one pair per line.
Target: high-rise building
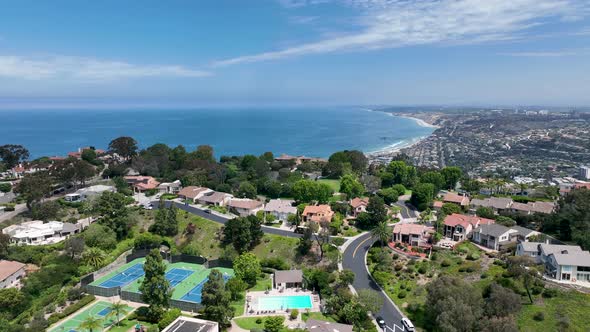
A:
x,y
585,172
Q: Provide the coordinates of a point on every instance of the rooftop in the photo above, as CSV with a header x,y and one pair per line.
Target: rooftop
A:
x,y
314,325
244,203
288,276
189,324
192,191
8,268
280,206
358,201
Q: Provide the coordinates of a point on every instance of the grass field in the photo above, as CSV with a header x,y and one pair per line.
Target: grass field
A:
x,y
204,238
277,246
97,309
569,311
334,184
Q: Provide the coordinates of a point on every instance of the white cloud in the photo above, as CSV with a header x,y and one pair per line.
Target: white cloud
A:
x,y
303,19
398,23
300,3
546,54
86,69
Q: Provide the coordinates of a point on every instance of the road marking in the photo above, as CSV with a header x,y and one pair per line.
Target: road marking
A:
x,y
360,244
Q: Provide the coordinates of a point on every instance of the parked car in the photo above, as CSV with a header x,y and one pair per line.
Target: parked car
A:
x,y
148,206
407,324
208,211
380,321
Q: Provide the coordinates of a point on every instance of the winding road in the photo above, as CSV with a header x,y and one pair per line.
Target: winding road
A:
x,y
353,258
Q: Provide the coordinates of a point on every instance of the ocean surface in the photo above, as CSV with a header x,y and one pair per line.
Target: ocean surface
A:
x,y
314,132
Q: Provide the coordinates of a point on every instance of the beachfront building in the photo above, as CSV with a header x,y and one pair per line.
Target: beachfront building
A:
x,y
11,272
412,234
458,227
359,205
288,279
281,209
87,193
317,213
244,207
140,183
190,324
170,187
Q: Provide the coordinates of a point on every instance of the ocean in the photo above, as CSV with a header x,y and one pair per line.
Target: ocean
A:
x,y
316,132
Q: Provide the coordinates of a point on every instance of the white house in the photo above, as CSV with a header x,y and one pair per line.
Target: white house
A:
x,y
170,187
11,273
38,233
280,208
494,236
565,263
84,194
245,207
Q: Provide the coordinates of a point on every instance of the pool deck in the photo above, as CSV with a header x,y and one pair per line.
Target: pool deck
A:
x,y
252,298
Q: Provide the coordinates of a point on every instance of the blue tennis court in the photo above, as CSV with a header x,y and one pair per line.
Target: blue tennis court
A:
x,y
194,295
176,276
124,277
104,312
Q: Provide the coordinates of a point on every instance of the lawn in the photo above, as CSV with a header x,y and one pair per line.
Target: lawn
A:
x,y
277,246
250,323
316,315
125,325
205,238
569,311
334,184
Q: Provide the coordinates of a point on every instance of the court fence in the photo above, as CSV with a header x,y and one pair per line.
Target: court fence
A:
x,y
102,291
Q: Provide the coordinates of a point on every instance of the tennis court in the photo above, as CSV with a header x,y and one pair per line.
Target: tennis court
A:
x,y
125,277
176,276
195,294
99,309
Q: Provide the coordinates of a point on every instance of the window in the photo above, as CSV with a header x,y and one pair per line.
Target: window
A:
x,y
584,268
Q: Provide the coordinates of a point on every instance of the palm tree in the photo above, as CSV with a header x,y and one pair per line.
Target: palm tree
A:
x,y
93,257
91,323
118,309
382,232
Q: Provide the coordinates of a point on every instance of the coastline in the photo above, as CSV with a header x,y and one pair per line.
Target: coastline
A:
x,y
386,153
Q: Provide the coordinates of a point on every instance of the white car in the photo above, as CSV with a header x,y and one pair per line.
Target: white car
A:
x,y
407,324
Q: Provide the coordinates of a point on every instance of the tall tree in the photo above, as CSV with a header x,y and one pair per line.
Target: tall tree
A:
x,y
216,300
166,222
321,234
247,268
13,154
381,232
244,233
155,288
452,175
376,210
33,187
350,186
422,196
118,309
74,246
91,323
114,213
518,267
93,257
453,305
124,146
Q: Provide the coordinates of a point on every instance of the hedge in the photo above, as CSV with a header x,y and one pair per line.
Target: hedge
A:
x,y
55,317
168,317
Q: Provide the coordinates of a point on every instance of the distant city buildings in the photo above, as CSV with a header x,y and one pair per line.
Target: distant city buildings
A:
x,y
585,172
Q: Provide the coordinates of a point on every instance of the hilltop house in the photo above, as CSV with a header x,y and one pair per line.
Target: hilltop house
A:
x,y
244,207
11,272
193,193
564,263
359,205
460,200
412,234
494,236
38,233
170,187
141,183
458,227
215,198
317,213
84,194
281,209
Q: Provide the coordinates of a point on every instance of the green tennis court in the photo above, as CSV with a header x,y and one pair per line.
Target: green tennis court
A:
x,y
99,309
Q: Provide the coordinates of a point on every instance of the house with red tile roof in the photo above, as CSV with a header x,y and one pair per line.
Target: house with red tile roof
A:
x,y
11,272
193,192
317,213
461,200
141,183
359,205
412,234
458,227
216,198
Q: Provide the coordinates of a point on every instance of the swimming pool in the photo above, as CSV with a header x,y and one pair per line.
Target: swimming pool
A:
x,y
284,302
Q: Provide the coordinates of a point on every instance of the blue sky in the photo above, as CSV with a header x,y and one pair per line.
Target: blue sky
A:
x,y
489,52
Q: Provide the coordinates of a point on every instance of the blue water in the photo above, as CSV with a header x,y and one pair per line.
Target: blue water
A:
x,y
314,132
284,302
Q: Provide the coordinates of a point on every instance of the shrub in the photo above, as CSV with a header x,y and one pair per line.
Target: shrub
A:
x,y
398,267
9,207
402,294
55,317
473,256
294,314
536,290
338,241
191,249
484,275
258,320
168,317
402,286
445,263
413,307
422,270
539,316
434,257
275,263
550,292
395,256
78,305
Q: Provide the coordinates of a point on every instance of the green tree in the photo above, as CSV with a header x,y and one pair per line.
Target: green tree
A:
x,y
45,211
453,305
247,267
236,287
389,195
436,178
5,187
422,196
89,155
485,212
216,300
99,236
246,190
244,233
305,242
13,154
93,257
114,213
518,267
124,146
91,323
307,191
12,301
155,288
450,208
501,301
274,323
166,222
74,246
351,186
370,300
33,187
506,221
400,174
118,309
205,152
381,232
376,210
452,175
